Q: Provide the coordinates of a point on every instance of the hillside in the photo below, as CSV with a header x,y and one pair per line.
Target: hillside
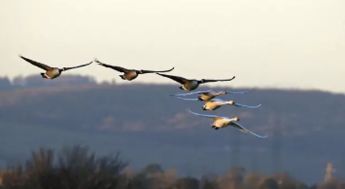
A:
x,y
146,125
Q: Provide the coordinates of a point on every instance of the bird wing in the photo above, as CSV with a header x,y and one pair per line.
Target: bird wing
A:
x,y
217,100
153,71
191,93
79,66
236,92
245,130
117,68
178,79
203,115
189,99
215,80
246,106
35,63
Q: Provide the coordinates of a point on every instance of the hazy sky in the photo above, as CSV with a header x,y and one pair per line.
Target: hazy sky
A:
x,y
266,43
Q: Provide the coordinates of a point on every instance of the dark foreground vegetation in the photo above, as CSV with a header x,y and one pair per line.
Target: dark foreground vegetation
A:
x,y
77,168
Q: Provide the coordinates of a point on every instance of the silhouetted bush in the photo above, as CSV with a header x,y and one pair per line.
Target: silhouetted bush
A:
x,y
74,168
187,183
269,183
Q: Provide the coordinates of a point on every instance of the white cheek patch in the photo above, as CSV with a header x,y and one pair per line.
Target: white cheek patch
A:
x,y
46,76
184,88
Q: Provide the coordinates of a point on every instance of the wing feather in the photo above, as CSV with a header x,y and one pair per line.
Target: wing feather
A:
x,y
35,63
117,68
247,106
236,92
79,66
203,115
245,130
153,71
191,93
178,79
187,99
215,80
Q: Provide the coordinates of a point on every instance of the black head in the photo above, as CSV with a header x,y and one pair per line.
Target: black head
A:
x,y
44,75
123,77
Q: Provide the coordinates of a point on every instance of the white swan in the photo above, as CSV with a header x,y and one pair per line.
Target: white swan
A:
x,y
208,94
217,103
221,122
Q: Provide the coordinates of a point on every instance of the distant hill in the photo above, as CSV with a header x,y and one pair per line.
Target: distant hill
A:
x,y
306,128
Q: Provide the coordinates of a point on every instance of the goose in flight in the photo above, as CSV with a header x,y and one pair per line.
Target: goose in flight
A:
x,y
191,84
208,94
129,74
217,103
51,72
221,122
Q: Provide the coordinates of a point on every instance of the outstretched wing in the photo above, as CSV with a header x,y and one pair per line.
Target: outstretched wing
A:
x,y
35,63
152,71
191,93
246,106
69,68
188,99
245,130
117,68
203,115
215,80
178,79
236,92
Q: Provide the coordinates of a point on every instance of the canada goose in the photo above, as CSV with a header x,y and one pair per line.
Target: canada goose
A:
x,y
208,94
217,103
129,74
191,84
51,72
221,122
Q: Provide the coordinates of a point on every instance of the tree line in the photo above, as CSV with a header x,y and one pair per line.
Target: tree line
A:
x,y
78,168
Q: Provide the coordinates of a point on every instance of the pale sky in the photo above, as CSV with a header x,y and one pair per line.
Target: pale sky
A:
x,y
267,43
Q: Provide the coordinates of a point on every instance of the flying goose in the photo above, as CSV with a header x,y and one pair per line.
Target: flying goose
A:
x,y
217,103
129,74
51,72
191,84
207,95
221,122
